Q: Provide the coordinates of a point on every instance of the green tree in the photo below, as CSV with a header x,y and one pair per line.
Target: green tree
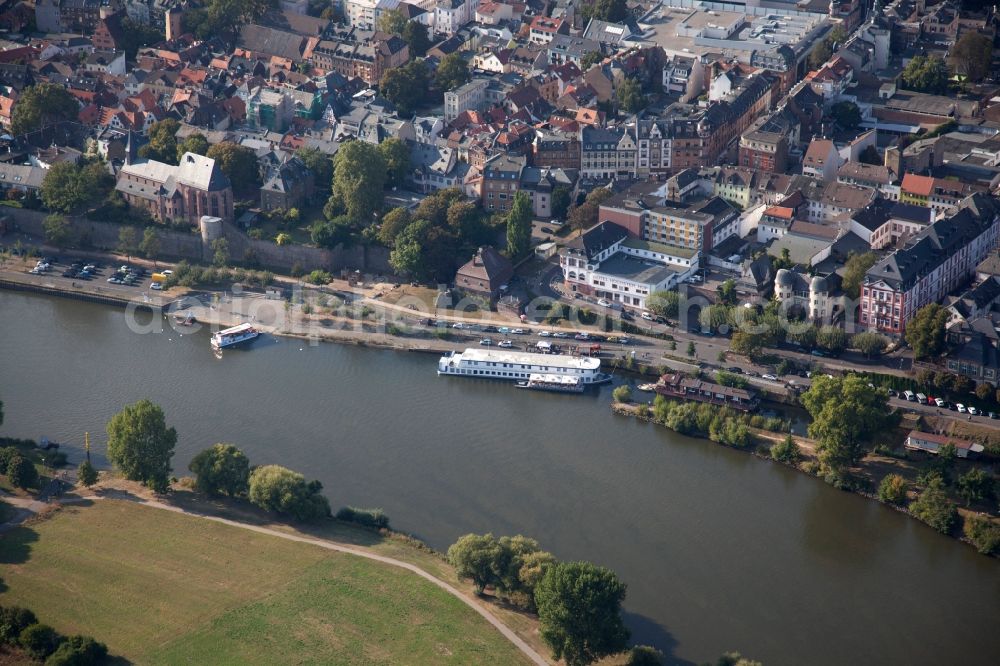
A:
x,y
585,215
66,188
392,225
820,54
220,250
983,533
846,414
972,55
519,226
475,557
612,11
13,621
630,97
406,87
359,176
870,155
319,163
591,59
560,201
984,391
664,303
86,474
727,292
932,507
141,445
927,74
746,344
396,155
452,72
196,143
162,144
221,469
78,651
417,38
854,272
392,22
279,489
925,333
42,105
847,115
21,473
868,343
57,230
127,243
832,338
786,451
239,163
150,245
976,485
39,641
691,351
579,609
892,489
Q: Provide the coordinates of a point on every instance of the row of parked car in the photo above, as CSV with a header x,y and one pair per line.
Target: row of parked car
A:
x,y
910,396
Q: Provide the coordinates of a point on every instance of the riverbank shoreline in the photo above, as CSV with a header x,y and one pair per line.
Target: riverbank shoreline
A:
x,y
809,461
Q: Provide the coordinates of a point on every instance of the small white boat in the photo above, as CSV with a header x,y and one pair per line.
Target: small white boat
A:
x,y
234,336
646,388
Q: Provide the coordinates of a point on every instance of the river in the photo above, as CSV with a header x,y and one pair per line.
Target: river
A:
x,y
721,551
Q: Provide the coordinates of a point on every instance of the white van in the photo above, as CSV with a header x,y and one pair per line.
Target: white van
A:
x,y
921,398
909,396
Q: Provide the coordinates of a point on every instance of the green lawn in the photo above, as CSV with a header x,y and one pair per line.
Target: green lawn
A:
x,y
159,587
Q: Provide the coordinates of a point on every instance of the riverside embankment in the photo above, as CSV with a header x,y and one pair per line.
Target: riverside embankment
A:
x,y
717,547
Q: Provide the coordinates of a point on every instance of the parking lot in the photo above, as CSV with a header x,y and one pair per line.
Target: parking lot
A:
x,y
120,279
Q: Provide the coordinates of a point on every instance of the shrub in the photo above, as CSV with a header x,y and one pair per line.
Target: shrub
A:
x,y
7,454
984,534
78,651
786,451
279,489
892,489
367,517
222,468
622,394
86,474
14,620
39,640
644,655
319,277
22,473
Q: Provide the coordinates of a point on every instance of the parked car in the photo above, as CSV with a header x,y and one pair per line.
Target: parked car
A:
x,y
961,408
939,402
504,330
627,316
505,344
156,286
545,334
519,331
736,370
489,329
604,303
647,316
973,410
486,342
560,334
581,336
769,377
458,325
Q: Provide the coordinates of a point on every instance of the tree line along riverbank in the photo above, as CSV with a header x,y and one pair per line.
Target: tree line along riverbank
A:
x,y
572,610
854,445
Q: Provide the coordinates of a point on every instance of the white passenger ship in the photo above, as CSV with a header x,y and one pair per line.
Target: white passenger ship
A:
x,y
516,365
234,336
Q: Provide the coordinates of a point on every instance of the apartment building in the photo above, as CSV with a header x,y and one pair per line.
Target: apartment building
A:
x,y
471,96
936,261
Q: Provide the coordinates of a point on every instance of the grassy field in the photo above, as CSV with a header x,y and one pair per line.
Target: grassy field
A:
x,y
159,587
